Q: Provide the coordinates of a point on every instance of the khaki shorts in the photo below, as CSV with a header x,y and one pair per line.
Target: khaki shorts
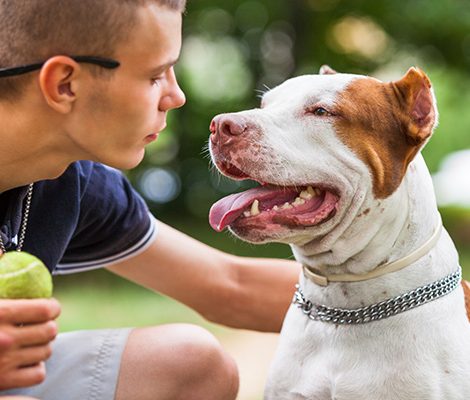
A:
x,y
84,366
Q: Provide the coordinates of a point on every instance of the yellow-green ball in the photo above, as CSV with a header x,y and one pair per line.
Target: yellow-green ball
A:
x,y
23,276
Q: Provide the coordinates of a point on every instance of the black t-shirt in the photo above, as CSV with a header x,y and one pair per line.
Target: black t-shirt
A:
x,y
87,218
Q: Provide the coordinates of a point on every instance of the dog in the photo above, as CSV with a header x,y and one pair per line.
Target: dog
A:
x,y
379,312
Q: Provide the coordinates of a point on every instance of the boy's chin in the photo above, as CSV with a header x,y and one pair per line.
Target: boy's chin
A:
x,y
129,162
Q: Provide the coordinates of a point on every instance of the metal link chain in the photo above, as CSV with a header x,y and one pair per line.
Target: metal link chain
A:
x,y
24,223
378,311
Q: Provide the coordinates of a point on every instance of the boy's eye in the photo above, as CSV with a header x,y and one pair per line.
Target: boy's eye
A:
x,y
156,80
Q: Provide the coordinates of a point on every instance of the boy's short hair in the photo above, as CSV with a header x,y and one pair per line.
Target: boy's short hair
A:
x,y
35,30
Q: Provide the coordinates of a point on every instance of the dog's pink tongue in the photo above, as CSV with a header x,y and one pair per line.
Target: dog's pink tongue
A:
x,y
228,209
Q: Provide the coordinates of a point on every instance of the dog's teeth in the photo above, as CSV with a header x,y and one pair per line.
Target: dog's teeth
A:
x,y
311,191
255,208
275,208
298,201
247,214
304,194
286,206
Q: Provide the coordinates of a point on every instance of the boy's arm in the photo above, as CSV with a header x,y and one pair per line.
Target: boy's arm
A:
x,y
241,292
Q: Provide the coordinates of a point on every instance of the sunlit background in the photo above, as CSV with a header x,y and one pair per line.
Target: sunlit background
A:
x,y
233,51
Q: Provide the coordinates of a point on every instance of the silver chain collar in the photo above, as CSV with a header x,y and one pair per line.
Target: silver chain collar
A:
x,y
378,311
24,222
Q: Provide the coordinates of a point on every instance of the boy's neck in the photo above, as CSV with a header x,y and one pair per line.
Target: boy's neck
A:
x,y
30,150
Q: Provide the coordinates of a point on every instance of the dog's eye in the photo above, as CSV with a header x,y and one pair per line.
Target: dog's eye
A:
x,y
319,112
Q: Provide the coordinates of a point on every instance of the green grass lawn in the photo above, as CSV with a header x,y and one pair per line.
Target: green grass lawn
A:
x,y
102,300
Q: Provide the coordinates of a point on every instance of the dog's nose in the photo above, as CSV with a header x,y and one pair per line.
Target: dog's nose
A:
x,y
224,125
213,130
232,127
213,126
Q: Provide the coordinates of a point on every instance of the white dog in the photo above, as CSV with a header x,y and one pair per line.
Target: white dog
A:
x,y
379,313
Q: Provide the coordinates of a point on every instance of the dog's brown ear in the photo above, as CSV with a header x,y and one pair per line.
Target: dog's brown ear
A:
x,y
415,95
327,70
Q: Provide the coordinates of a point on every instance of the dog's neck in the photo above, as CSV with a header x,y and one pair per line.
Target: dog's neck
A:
x,y
382,231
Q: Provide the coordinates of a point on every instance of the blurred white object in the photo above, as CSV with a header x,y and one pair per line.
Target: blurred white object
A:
x,y
452,182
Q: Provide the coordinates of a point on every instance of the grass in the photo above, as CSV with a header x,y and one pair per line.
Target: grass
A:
x,y
102,300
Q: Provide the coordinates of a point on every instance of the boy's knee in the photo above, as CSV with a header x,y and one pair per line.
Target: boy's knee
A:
x,y
208,370
178,362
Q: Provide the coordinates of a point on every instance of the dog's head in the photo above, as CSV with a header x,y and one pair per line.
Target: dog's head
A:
x,y
318,145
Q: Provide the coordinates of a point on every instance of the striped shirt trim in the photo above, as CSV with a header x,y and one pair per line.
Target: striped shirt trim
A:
x,y
142,245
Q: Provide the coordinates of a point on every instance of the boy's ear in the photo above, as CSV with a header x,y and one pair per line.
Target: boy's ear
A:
x,y
327,70
416,98
58,82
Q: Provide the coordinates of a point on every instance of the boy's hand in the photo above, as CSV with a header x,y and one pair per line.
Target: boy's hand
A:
x,y
26,329
16,398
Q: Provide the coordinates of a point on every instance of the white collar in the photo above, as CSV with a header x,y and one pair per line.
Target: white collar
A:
x,y
397,265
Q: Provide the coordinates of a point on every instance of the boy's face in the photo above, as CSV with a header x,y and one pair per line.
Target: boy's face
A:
x,y
117,117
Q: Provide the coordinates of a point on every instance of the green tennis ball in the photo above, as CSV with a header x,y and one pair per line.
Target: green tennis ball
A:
x,y
23,276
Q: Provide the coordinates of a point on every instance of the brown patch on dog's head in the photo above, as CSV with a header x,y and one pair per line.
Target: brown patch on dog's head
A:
x,y
386,124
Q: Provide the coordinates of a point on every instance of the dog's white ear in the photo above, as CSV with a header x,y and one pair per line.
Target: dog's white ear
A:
x,y
416,96
327,70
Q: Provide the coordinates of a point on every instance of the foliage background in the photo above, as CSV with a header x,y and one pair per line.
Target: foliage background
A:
x,y
235,49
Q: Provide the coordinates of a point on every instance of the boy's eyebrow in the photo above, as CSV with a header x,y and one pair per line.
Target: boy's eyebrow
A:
x,y
165,66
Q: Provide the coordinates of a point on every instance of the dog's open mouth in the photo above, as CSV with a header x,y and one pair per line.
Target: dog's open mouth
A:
x,y
270,206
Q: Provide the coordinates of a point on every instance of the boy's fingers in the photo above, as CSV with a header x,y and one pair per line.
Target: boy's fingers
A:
x,y
28,311
6,341
23,377
30,356
17,398
33,335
